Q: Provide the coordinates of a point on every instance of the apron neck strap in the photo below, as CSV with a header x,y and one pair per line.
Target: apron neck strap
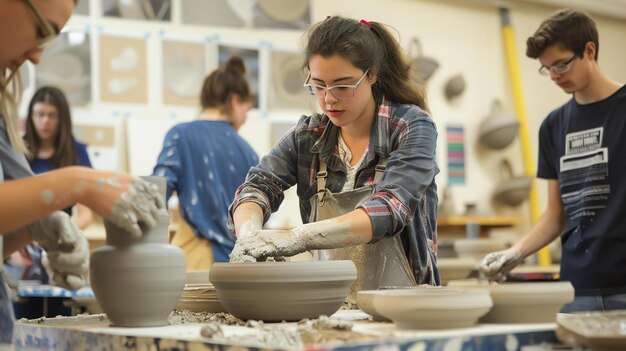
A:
x,y
321,182
323,173
380,169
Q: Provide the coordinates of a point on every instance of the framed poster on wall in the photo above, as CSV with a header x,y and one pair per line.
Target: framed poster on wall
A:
x,y
123,70
285,81
184,71
67,66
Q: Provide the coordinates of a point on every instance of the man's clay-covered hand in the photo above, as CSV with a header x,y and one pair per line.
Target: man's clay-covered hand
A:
x,y
496,265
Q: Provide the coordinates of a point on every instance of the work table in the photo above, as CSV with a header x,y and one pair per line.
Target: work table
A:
x,y
90,332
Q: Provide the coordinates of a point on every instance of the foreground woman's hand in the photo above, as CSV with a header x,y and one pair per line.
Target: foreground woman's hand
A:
x,y
55,232
128,202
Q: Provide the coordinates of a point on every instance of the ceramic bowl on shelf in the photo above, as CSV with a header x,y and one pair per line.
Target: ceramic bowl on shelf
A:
x,y
476,248
455,268
530,302
499,128
432,308
277,291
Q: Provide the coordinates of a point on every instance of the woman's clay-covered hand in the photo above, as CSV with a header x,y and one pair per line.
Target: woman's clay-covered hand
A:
x,y
267,243
55,232
128,202
347,230
68,269
66,255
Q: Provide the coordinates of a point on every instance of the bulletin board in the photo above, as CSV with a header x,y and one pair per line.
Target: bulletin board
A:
x,y
184,69
123,70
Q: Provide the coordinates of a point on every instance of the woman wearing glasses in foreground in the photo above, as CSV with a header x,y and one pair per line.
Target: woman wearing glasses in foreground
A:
x,y
364,168
27,206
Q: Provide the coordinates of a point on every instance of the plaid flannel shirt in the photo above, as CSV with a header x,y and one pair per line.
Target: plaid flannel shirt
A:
x,y
405,199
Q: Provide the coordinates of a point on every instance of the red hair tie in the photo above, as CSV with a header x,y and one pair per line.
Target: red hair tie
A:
x,y
366,23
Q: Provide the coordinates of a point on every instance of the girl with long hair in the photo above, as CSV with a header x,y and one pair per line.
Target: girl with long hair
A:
x,y
364,167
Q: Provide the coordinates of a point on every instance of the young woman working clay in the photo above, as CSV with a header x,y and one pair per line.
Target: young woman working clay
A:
x,y
27,206
205,161
364,168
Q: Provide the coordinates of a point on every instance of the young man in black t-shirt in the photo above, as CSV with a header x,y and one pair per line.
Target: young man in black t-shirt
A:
x,y
580,146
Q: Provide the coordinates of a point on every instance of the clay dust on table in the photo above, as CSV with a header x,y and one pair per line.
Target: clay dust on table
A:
x,y
323,330
81,319
188,317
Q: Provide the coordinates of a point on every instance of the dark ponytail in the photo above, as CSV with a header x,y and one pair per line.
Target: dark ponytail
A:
x,y
223,83
367,45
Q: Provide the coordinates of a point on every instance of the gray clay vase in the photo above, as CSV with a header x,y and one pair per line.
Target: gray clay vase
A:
x,y
499,128
511,191
277,291
455,86
138,281
423,65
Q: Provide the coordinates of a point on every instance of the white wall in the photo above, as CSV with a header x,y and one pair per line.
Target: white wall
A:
x,y
463,36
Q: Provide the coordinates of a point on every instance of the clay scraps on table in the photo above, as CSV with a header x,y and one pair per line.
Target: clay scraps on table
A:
x,y
188,317
81,319
306,332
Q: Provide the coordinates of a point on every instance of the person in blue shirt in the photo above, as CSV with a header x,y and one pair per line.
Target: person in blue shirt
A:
x,y
51,143
205,161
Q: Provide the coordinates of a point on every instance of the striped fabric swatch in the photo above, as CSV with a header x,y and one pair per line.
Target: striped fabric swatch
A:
x,y
456,153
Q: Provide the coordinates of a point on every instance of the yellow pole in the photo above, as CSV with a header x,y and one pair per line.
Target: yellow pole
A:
x,y
524,136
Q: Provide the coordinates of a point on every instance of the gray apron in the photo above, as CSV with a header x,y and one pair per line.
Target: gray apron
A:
x,y
381,264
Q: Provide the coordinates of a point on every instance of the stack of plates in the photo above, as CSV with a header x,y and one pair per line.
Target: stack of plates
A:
x,y
199,294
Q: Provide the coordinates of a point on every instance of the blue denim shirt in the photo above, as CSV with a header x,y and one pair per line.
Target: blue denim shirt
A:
x,y
204,162
405,198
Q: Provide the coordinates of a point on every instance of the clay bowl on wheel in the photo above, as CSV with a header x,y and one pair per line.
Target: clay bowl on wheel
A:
x,y
277,291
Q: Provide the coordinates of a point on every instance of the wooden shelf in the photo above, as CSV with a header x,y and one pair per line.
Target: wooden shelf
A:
x,y
483,221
